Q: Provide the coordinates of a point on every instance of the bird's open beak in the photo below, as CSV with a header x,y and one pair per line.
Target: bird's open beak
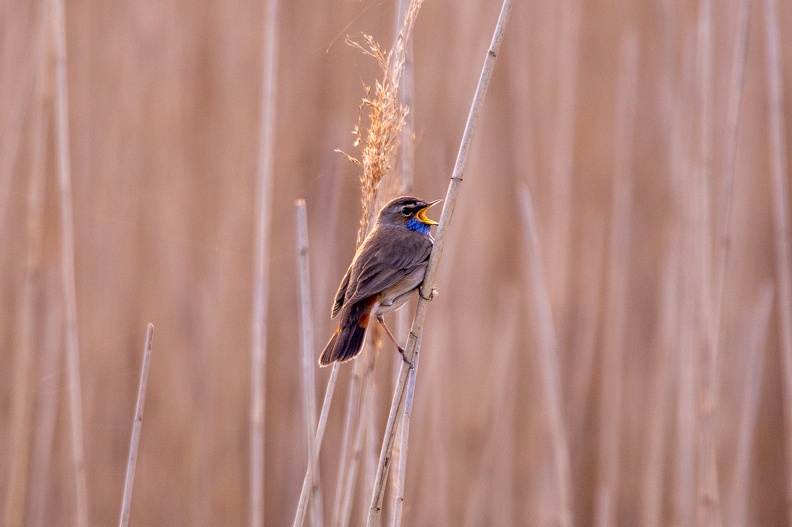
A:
x,y
422,213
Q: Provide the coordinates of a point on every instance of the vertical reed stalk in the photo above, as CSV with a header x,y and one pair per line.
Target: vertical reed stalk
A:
x,y
49,383
708,499
386,120
783,261
356,427
307,345
618,271
753,348
407,172
548,360
581,376
352,415
355,424
684,489
19,105
137,424
652,491
563,145
67,262
370,413
302,505
404,441
416,331
729,166
22,395
258,359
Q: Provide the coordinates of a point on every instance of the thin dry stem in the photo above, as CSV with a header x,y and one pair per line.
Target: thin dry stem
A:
x,y
371,451
548,359
708,501
684,489
357,428
302,505
563,146
67,263
353,405
657,437
49,383
22,396
725,198
616,302
306,343
416,331
404,442
386,117
16,113
753,348
258,353
137,424
783,261
407,173
582,373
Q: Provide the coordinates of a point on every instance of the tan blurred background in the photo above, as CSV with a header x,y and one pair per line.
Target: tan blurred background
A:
x,y
164,116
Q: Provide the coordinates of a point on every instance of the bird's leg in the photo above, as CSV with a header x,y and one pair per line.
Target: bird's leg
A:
x,y
388,331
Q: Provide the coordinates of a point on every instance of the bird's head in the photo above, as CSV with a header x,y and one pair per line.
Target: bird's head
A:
x,y
409,212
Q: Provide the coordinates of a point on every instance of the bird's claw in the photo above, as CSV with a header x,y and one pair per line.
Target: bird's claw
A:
x,y
407,362
431,294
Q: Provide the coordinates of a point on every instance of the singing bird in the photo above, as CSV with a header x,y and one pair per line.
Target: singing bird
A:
x,y
388,267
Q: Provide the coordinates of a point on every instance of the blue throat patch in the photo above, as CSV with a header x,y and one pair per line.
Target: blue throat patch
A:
x,y
418,226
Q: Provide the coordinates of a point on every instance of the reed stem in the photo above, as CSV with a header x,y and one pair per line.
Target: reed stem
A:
x,y
258,353
375,509
137,424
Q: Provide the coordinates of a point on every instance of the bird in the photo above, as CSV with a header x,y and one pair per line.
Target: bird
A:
x,y
388,267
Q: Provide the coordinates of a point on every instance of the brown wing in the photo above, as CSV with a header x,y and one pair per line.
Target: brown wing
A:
x,y
387,256
339,298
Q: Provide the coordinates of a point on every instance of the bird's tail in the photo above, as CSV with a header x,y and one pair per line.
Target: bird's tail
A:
x,y
347,341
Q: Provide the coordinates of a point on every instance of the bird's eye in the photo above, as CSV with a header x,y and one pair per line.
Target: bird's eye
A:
x,y
406,211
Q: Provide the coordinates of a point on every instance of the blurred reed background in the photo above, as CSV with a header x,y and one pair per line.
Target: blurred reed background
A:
x,y
671,400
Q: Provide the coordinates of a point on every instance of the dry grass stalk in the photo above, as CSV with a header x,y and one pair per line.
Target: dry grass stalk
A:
x,y
684,488
357,423
386,117
67,263
548,359
563,146
580,385
371,413
356,429
729,166
47,405
302,505
17,111
617,269
137,424
258,353
354,402
709,507
22,396
660,399
398,503
753,348
783,259
707,497
405,94
307,345
375,509
406,170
